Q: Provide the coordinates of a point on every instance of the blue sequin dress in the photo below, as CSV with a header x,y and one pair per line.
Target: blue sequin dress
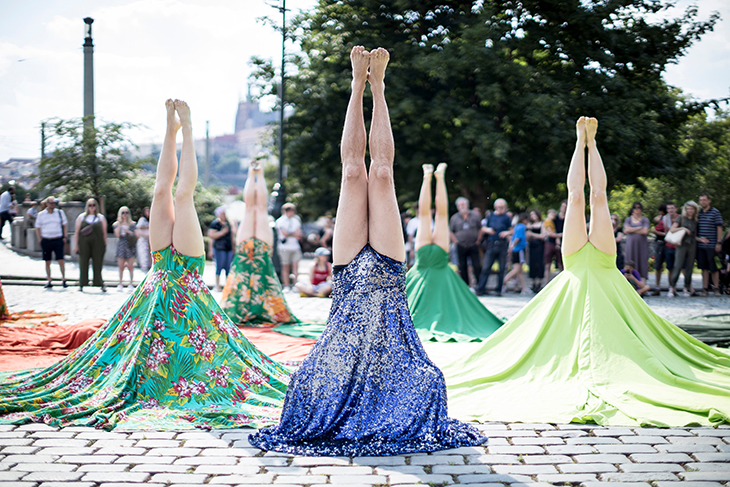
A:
x,y
367,388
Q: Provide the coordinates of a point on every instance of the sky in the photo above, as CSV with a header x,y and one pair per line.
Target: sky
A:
x,y
146,51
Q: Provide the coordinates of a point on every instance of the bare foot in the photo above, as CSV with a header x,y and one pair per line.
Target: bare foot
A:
x,y
427,169
580,129
183,111
378,62
441,169
255,165
591,128
173,123
360,59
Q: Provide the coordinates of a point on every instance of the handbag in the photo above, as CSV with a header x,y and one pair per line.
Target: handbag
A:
x,y
131,238
86,231
675,238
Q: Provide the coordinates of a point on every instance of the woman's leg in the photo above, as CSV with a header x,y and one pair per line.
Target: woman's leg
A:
x,y
120,264
601,232
678,266
574,230
247,228
689,266
384,224
162,212
130,266
85,249
187,237
262,228
351,227
441,225
423,236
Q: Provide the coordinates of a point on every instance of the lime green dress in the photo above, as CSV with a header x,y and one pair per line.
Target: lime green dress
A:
x,y
588,349
169,358
252,295
442,306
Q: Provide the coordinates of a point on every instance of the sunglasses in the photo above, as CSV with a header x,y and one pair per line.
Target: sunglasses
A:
x,y
92,205
125,213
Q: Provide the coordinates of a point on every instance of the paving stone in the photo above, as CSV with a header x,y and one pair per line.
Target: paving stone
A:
x,y
265,461
713,457
566,478
62,443
226,469
20,484
157,468
13,434
511,433
67,484
524,469
207,443
587,468
465,450
140,459
121,451
65,451
601,458
538,441
95,467
410,469
709,432
592,440
153,435
712,476
262,479
84,459
647,440
687,448
516,450
63,433
101,435
496,442
29,459
12,475
578,426
723,448
203,460
19,450
546,459
616,484
661,458
662,432
569,449
8,427
531,426
169,478
176,452
119,477
615,431
374,461
16,441
43,467
37,427
437,460
53,476
334,470
232,452
157,443
126,484
492,459
404,478
651,467
113,443
636,476
242,443
694,440
200,435
294,470
627,449
491,478
686,483
563,433
357,479
709,467
461,469
301,479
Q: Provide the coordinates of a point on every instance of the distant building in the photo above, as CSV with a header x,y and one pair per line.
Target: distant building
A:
x,y
23,171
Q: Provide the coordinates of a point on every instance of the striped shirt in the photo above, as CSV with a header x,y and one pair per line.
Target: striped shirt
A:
x,y
708,222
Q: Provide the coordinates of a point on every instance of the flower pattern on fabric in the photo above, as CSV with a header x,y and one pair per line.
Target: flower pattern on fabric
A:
x,y
252,295
170,358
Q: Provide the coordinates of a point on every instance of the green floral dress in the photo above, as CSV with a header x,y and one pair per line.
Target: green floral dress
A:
x,y
252,295
170,358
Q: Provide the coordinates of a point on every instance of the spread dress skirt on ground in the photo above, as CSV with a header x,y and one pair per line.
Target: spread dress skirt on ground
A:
x,y
442,306
588,349
170,358
367,387
252,295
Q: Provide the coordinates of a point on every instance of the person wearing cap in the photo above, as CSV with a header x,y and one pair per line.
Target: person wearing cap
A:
x,y
289,228
320,276
222,235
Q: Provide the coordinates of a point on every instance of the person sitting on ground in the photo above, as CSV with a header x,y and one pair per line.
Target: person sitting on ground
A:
x,y
320,276
632,275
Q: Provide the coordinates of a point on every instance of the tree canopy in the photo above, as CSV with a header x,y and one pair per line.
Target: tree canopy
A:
x,y
494,89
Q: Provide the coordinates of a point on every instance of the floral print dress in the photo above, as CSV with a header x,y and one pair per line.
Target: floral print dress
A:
x,y
252,295
169,358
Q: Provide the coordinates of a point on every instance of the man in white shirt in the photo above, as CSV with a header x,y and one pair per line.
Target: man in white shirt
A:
x,y
289,228
6,204
50,228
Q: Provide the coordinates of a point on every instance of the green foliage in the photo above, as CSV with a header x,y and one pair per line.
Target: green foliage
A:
x,y
86,158
493,89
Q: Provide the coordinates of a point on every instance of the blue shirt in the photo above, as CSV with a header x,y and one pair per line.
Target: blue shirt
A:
x,y
499,223
519,232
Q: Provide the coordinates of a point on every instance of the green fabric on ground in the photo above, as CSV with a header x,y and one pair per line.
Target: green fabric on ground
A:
x,y
303,330
588,349
713,329
442,306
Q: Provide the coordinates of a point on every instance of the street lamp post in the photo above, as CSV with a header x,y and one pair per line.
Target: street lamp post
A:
x,y
88,73
278,193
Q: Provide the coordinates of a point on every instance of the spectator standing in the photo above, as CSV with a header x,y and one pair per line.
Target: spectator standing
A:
x,y
221,232
709,243
51,230
685,257
90,243
498,229
411,230
618,234
636,228
670,250
125,231
517,247
660,254
144,256
289,228
464,232
7,204
536,250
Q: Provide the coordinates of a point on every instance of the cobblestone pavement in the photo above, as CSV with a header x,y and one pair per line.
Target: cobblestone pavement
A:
x,y
37,455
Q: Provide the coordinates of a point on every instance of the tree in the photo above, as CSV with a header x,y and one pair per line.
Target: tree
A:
x,y
494,89
85,158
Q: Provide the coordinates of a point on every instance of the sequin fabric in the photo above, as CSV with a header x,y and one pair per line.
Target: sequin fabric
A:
x,y
367,388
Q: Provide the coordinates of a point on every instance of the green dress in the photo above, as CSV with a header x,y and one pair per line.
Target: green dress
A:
x,y
588,349
441,304
169,358
252,295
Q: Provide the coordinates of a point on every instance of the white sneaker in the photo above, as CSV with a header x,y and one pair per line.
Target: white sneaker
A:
x,y
686,294
130,288
120,288
527,292
670,294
